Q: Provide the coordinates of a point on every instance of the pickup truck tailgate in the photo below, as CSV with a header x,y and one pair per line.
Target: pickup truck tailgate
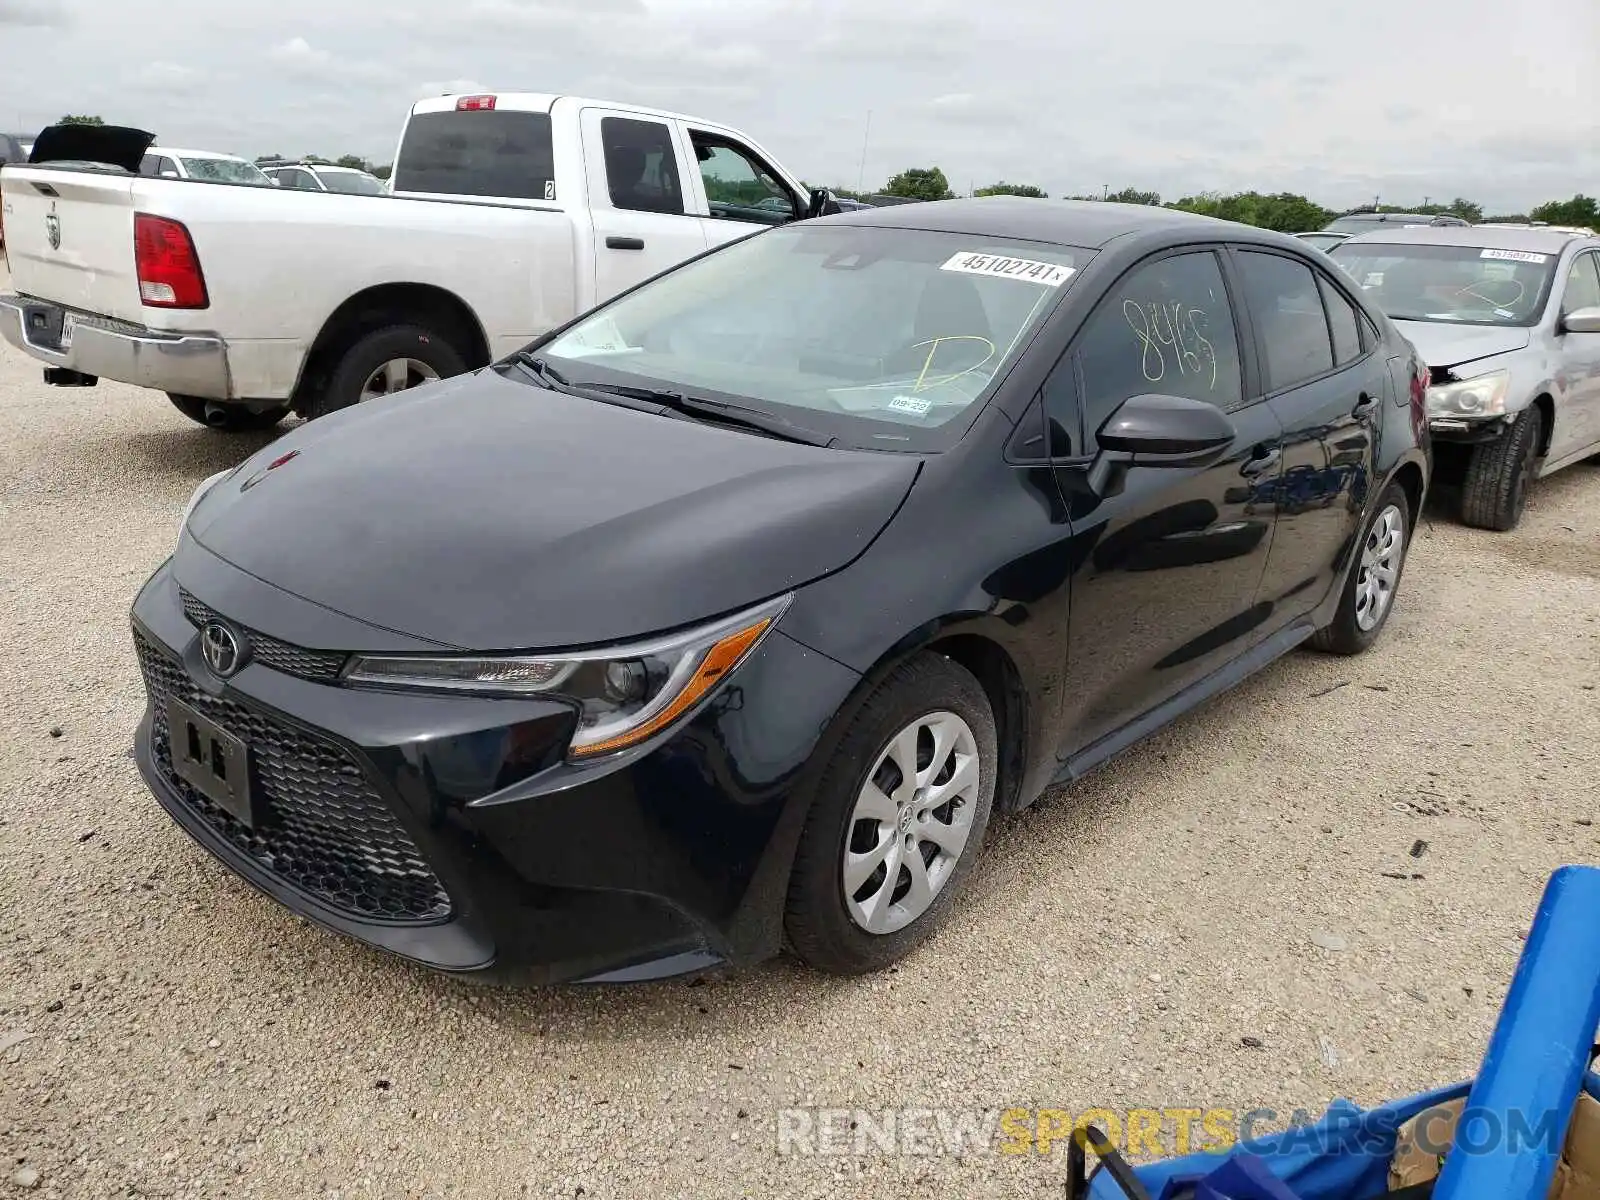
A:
x,y
69,236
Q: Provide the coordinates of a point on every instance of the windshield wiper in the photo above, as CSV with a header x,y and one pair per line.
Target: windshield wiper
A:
x,y
719,411
541,369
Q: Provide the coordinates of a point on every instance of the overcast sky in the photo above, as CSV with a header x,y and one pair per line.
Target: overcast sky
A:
x,y
1404,98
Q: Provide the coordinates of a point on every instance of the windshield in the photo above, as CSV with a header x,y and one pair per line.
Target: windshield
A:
x,y
355,182
881,338
1471,285
225,170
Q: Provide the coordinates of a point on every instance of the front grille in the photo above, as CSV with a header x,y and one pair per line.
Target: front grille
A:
x,y
319,666
322,826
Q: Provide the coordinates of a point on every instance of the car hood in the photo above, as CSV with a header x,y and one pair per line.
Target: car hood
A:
x,y
1444,344
487,514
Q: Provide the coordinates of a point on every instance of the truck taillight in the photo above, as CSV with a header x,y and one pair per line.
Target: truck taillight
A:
x,y
167,265
475,104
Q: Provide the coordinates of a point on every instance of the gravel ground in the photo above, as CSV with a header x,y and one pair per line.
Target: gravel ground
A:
x,y
1251,873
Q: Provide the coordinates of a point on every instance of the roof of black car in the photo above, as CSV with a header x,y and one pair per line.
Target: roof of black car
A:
x,y
1086,223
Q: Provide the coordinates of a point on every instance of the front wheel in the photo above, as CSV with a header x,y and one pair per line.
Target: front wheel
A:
x,y
1374,578
1496,489
229,418
897,822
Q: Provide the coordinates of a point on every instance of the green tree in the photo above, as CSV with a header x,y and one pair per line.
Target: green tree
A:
x,y
920,183
1130,195
1011,189
266,158
71,119
352,161
1284,211
1506,219
1580,210
383,172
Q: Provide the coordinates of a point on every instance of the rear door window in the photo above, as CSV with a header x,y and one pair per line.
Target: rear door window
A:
x,y
641,165
1291,326
489,152
1341,322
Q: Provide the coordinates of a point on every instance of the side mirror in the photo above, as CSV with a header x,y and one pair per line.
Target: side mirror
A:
x,y
822,204
1582,320
1155,430
169,174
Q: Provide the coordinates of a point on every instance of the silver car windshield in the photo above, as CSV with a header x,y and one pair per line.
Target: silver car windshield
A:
x,y
1470,285
878,335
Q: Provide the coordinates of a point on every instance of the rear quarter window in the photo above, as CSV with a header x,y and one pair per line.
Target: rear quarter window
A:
x,y
481,153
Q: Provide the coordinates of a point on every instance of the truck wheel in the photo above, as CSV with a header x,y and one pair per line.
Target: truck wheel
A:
x,y
1498,474
229,418
389,360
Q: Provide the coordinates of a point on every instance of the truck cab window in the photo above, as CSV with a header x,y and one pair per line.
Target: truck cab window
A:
x,y
641,166
739,186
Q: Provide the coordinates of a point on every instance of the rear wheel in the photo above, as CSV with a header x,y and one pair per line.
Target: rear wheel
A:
x,y
229,418
1495,493
384,362
898,820
1374,578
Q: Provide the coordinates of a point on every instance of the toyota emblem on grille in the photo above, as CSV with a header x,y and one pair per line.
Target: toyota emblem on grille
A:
x,y
220,649
52,230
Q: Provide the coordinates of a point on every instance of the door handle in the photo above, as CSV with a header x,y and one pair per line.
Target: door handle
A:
x,y
1263,462
1365,406
624,243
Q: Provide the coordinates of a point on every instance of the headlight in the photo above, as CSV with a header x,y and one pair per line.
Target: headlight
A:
x,y
625,694
1484,396
199,494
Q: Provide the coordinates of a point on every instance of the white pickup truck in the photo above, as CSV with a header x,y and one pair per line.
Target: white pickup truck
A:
x,y
510,214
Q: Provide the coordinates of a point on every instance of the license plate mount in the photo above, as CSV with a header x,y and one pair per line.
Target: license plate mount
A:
x,y
212,761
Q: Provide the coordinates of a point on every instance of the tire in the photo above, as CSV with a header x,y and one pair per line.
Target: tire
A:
x,y
229,418
821,928
1498,474
431,356
1353,628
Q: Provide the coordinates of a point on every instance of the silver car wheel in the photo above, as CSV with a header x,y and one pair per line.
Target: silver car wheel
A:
x,y
1381,558
397,375
910,822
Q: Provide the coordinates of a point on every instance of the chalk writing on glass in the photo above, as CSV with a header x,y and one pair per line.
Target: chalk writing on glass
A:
x,y
1171,327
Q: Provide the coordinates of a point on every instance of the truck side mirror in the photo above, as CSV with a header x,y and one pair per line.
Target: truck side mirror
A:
x,y
822,204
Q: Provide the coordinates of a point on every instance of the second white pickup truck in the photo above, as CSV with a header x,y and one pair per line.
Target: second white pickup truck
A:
x,y
511,214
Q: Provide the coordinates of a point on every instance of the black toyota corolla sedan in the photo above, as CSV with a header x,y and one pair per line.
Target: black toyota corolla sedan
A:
x,y
724,618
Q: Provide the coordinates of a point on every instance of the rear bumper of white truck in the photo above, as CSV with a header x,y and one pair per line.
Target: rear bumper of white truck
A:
x,y
185,364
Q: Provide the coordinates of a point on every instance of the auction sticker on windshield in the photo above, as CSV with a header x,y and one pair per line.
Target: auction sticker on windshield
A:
x,y
1526,256
973,263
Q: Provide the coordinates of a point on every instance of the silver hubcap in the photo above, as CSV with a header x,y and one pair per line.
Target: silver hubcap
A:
x,y
1380,568
910,822
397,375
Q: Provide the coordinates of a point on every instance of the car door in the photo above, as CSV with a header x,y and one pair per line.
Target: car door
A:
x,y
1173,559
1578,415
642,223
738,190
1327,383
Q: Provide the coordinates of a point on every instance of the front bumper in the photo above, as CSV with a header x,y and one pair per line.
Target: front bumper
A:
x,y
184,364
1468,431
449,830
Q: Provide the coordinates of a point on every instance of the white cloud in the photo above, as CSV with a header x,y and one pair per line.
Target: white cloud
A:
x,y
1373,97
